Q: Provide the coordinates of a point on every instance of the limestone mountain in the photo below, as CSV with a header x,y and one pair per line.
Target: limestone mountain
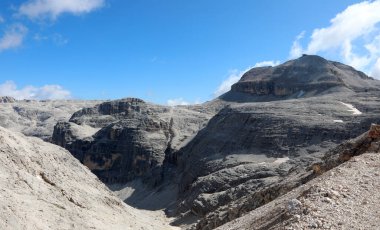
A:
x,y
307,76
242,150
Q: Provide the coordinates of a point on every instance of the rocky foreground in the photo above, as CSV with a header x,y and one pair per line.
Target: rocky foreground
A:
x,y
42,186
346,197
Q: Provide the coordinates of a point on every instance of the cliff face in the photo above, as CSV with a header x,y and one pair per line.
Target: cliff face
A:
x,y
131,139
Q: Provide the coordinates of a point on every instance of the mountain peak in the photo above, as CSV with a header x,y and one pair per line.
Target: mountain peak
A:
x,y
309,75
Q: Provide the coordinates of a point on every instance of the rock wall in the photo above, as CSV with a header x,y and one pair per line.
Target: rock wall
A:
x,y
133,140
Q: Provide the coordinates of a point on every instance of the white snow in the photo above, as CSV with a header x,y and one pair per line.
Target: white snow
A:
x,y
281,160
352,109
338,121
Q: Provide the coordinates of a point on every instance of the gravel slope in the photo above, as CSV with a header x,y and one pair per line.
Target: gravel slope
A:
x,y
43,187
346,197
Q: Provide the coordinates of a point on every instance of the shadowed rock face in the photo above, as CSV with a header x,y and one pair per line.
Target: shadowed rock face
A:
x,y
307,76
133,140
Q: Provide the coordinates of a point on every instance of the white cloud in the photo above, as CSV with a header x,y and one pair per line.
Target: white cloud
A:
x,y
50,92
376,69
354,22
296,50
35,9
265,63
352,36
235,76
2,20
225,86
181,101
177,101
13,37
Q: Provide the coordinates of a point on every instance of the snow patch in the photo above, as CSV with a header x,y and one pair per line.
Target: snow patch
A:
x,y
281,160
352,109
338,121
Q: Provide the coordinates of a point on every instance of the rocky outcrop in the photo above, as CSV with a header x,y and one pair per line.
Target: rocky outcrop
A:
x,y
347,188
6,99
307,76
37,118
134,137
44,187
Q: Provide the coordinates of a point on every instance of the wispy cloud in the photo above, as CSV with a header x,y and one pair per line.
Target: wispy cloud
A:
x,y
266,63
37,9
56,38
13,37
353,34
296,50
2,20
177,101
51,92
235,76
181,101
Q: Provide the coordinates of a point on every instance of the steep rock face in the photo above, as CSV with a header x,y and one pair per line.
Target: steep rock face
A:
x,y
37,118
134,137
44,187
307,76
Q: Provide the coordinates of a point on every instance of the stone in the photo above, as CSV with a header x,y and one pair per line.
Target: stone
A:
x,y
294,207
374,131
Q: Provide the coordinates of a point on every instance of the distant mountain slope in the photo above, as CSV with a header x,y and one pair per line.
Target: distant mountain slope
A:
x,y
37,118
43,187
310,75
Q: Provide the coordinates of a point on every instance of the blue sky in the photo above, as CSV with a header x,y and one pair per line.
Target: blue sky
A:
x,y
168,50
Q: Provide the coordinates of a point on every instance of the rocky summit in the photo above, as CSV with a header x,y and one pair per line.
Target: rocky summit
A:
x,y
307,76
254,158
